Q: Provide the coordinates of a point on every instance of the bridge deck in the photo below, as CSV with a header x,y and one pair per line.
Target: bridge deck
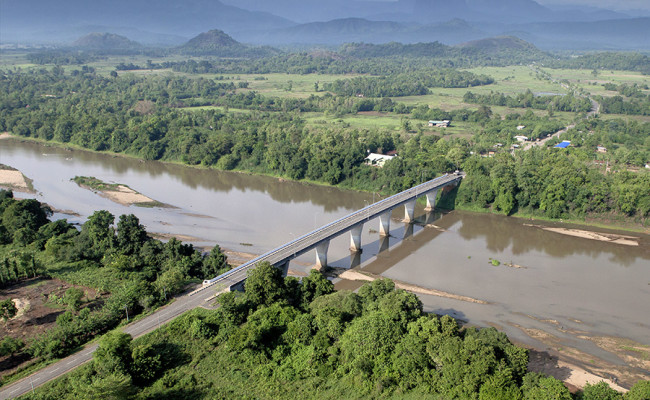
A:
x,y
309,241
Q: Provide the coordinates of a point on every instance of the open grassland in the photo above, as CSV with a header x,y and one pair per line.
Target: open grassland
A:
x,y
288,85
585,79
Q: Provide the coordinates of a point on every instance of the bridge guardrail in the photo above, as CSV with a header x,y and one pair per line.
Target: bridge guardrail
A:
x,y
324,232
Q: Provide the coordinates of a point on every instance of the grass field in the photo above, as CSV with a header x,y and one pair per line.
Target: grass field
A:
x,y
508,80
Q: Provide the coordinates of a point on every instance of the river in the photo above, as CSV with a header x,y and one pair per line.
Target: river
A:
x,y
571,288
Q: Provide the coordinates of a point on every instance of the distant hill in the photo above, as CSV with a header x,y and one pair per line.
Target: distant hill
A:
x,y
508,48
394,49
51,21
217,43
340,31
499,44
106,41
331,32
501,50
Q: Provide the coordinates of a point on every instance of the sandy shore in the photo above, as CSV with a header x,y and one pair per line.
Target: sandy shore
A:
x,y
126,196
358,276
600,236
13,179
4,135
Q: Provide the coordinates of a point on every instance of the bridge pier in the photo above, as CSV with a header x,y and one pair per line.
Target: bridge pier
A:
x,y
321,254
409,211
384,223
284,267
355,237
431,200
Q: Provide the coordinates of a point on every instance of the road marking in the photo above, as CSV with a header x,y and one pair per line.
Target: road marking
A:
x,y
55,369
69,362
15,390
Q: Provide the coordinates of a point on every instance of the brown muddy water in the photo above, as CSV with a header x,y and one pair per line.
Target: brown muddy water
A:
x,y
568,286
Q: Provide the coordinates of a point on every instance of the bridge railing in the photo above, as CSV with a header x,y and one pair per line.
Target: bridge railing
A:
x,y
382,205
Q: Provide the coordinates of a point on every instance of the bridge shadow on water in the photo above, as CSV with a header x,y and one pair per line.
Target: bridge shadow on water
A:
x,y
383,253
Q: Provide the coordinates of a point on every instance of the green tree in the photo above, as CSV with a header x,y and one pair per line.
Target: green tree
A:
x,y
600,391
113,355
147,363
130,234
7,309
539,387
264,285
72,298
314,285
640,391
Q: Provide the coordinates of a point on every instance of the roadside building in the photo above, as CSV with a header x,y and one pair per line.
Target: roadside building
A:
x,y
440,124
377,160
601,149
521,138
563,145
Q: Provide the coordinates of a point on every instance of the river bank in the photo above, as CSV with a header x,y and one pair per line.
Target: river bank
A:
x,y
606,221
566,278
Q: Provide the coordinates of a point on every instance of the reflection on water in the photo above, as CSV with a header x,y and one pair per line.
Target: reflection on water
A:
x,y
603,285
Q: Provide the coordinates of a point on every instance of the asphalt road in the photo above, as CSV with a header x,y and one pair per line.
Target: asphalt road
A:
x,y
199,296
136,329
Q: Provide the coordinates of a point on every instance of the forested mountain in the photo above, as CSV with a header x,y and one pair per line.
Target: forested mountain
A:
x,y
423,11
47,21
218,43
333,22
105,41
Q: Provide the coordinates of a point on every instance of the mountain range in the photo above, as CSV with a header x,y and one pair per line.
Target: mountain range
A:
x,y
309,22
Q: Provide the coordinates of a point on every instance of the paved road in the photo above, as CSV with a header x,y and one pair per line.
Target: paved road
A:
x,y
201,295
135,329
595,110
311,240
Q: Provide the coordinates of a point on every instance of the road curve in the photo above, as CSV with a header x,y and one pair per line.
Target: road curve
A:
x,y
199,297
160,317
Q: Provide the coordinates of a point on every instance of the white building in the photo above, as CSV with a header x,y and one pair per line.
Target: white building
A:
x,y
377,160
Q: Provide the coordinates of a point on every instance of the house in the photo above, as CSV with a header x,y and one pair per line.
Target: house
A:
x,y
440,124
521,138
563,145
497,145
377,160
520,127
601,149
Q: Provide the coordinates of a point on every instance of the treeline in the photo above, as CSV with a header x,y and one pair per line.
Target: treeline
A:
x,y
132,271
555,183
412,84
607,61
287,339
528,99
58,57
618,105
109,114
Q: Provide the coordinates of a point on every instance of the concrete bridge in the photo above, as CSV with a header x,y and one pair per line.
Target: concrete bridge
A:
x,y
353,223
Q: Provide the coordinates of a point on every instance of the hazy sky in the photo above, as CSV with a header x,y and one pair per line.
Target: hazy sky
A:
x,y
612,4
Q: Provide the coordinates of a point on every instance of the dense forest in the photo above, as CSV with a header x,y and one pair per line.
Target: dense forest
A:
x,y
130,271
631,102
412,84
140,116
568,103
284,338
